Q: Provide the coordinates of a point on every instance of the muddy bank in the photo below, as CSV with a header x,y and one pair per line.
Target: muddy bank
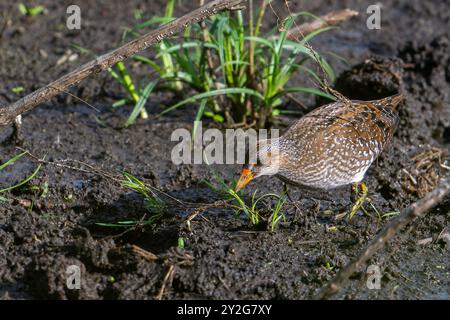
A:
x,y
224,256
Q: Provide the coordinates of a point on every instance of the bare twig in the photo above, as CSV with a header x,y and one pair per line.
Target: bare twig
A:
x,y
416,210
9,113
147,255
168,275
330,19
63,164
78,98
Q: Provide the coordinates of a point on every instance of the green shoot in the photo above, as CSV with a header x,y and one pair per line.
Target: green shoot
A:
x,y
277,214
251,212
168,67
12,160
329,266
135,96
381,215
18,89
30,11
131,224
139,107
21,183
166,58
181,243
125,80
154,204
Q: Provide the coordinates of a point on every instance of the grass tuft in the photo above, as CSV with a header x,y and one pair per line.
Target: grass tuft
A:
x,y
154,204
238,75
251,211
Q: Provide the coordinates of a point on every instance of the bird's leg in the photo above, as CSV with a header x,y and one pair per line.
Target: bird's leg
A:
x,y
361,198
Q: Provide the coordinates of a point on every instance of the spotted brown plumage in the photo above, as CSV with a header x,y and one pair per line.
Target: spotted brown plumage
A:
x,y
331,146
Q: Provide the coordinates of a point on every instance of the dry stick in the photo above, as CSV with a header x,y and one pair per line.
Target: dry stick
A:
x,y
165,280
147,255
416,210
10,112
330,19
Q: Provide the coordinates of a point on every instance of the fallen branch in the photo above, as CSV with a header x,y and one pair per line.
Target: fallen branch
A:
x,y
416,210
10,112
330,19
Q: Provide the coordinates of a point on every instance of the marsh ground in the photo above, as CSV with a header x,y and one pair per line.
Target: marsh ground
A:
x,y
223,256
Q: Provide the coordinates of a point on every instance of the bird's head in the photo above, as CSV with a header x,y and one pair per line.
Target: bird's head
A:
x,y
265,161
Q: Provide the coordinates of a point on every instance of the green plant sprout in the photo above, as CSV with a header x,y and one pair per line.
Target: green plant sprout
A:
x,y
30,11
124,78
21,183
136,96
251,212
154,204
18,89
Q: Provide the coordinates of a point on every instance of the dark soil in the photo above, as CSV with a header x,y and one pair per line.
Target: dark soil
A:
x,y
224,256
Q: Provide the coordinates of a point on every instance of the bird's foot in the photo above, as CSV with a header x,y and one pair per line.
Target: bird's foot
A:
x,y
360,200
362,197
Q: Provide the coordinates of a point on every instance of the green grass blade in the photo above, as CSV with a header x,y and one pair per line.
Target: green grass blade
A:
x,y
12,160
186,45
142,100
120,103
327,68
198,117
127,81
262,41
244,63
314,91
149,62
315,33
214,93
23,182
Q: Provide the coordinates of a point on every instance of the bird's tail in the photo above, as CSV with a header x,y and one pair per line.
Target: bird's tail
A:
x,y
392,101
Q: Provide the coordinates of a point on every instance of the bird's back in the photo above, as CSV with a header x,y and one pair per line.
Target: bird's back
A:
x,y
335,144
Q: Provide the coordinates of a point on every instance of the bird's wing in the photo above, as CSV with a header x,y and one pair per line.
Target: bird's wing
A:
x,y
359,123
312,124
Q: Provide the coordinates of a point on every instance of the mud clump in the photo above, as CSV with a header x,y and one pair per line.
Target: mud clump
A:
x,y
428,79
375,78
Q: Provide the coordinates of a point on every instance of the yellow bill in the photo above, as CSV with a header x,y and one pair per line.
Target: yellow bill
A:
x,y
246,177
